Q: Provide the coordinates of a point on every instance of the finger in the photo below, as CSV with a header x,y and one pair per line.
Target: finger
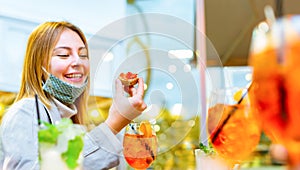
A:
x,y
143,106
140,89
127,89
119,87
132,91
138,104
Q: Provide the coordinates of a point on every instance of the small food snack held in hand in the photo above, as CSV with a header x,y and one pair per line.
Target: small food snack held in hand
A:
x,y
128,79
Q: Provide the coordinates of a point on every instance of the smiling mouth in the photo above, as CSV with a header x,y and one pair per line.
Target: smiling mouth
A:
x,y
74,75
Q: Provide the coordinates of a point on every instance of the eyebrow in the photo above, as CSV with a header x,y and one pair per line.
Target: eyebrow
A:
x,y
68,48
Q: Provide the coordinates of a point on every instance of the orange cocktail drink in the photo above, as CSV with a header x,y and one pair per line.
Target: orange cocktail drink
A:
x,y
276,84
140,145
234,130
138,150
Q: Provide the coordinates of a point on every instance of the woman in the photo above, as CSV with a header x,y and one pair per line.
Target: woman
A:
x,y
56,68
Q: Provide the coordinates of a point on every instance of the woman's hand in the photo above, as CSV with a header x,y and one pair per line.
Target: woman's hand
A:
x,y
124,109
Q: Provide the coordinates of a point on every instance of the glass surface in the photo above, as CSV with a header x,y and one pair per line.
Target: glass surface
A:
x,y
209,162
274,57
60,146
234,131
140,145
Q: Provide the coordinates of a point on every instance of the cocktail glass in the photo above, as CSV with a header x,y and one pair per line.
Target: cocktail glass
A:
x,y
234,130
209,162
274,56
140,145
60,146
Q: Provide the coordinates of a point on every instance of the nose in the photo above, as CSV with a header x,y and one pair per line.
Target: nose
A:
x,y
76,60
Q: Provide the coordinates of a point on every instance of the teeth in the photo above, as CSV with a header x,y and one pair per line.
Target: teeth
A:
x,y
74,75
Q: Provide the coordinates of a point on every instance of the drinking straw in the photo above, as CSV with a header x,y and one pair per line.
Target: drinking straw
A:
x,y
37,109
229,115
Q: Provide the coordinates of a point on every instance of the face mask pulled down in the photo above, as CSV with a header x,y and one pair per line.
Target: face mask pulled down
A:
x,y
63,91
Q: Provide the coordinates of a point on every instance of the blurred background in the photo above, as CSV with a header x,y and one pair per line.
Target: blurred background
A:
x,y
226,27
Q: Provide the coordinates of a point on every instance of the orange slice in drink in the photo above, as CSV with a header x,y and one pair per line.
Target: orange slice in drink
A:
x,y
145,127
238,95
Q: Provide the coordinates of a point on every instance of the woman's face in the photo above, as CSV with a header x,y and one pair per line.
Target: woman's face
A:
x,y
70,62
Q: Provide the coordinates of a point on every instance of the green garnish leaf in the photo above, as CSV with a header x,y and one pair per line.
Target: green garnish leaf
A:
x,y
58,134
209,150
71,156
48,134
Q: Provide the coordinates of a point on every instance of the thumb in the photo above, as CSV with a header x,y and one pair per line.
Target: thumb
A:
x,y
118,88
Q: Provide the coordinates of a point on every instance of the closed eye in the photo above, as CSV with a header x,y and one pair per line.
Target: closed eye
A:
x,y
63,55
84,56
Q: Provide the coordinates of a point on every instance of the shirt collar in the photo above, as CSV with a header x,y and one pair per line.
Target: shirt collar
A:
x,y
65,111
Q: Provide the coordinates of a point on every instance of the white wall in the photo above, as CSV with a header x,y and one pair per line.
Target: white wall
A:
x,y
89,15
18,18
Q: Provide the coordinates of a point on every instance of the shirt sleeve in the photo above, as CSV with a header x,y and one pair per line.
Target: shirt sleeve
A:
x,y
19,144
102,149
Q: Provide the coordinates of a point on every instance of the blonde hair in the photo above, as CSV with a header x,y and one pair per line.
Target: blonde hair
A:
x,y
40,45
